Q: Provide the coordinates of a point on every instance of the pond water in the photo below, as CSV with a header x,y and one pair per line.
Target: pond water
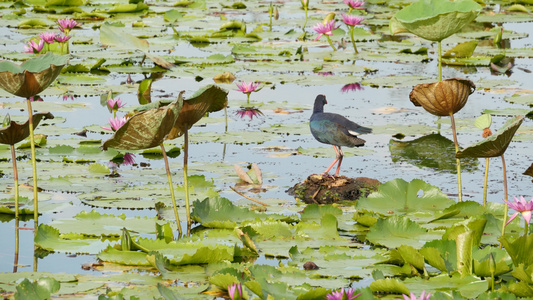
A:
x,y
384,107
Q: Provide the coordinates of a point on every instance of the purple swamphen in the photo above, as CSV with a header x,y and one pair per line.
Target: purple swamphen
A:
x,y
336,130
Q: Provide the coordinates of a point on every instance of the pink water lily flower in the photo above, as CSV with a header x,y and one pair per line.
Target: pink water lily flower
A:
x,y
66,24
423,296
231,291
34,47
48,37
115,104
326,29
339,295
352,20
354,4
115,123
247,87
62,38
521,206
68,97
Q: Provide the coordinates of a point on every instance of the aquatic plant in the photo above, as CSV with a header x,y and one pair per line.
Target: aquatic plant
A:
x,y
483,122
247,88
12,133
352,21
305,6
434,20
523,207
445,98
147,129
235,288
27,80
326,28
423,296
494,146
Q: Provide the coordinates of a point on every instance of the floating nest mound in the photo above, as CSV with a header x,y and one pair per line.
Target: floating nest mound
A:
x,y
327,189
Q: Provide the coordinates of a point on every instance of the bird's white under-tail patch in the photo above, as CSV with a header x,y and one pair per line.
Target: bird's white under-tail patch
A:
x,y
353,132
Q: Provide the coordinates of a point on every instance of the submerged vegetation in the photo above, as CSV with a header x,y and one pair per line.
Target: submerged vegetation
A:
x,y
153,81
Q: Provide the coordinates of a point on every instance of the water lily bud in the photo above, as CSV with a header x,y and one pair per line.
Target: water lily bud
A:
x,y
276,14
329,17
7,120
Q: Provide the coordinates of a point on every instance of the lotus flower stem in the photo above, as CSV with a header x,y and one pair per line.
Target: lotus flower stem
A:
x,y
16,178
16,261
186,179
526,232
330,43
505,197
305,22
440,61
353,41
171,186
458,162
485,183
226,119
34,166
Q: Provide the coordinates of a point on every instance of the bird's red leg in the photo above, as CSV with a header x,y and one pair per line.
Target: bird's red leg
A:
x,y
340,155
333,163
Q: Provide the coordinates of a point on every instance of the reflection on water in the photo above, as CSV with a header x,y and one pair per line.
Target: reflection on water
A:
x,y
431,151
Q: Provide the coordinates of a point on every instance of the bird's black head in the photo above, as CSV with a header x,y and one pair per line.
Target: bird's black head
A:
x,y
320,101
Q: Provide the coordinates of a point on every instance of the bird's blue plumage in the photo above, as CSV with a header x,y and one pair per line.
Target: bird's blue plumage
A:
x,y
334,129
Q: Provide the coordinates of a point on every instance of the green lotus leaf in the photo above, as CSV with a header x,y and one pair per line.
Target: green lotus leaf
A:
x,y
128,8
16,132
221,213
442,254
389,285
434,20
482,262
496,144
396,231
40,289
207,99
465,49
146,129
400,196
519,249
31,77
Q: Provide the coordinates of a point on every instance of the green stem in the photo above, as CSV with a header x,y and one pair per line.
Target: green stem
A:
x,y
171,186
248,98
226,118
305,22
505,197
16,178
353,41
485,183
186,180
526,231
34,166
457,161
330,43
440,61
16,262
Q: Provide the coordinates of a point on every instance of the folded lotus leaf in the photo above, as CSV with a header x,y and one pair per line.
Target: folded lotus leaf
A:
x,y
442,98
31,77
208,99
434,20
496,144
15,132
146,129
